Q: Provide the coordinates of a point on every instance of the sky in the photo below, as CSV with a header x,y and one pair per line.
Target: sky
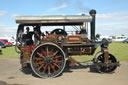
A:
x,y
111,18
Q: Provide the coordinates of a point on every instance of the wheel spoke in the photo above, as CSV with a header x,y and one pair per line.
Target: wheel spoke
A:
x,y
40,66
52,51
38,58
55,53
57,61
49,72
44,53
44,68
40,55
56,65
39,63
57,56
47,51
52,67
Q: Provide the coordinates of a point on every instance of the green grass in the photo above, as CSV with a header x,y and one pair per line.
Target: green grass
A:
x,y
9,52
118,49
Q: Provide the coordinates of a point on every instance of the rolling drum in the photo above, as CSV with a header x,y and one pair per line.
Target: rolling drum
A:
x,y
105,67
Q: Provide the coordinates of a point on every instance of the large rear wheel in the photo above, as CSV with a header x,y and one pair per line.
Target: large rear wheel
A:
x,y
48,60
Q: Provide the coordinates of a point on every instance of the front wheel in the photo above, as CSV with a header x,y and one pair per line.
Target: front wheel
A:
x,y
48,60
105,67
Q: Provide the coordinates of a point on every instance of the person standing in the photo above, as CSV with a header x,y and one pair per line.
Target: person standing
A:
x,y
29,35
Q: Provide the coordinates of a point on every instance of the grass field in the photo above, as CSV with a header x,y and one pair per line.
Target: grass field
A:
x,y
9,52
118,49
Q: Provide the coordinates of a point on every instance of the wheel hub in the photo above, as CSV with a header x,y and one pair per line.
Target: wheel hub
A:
x,y
48,60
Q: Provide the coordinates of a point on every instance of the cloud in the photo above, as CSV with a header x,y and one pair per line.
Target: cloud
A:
x,y
2,13
117,16
7,31
104,16
112,23
14,15
67,5
61,2
58,7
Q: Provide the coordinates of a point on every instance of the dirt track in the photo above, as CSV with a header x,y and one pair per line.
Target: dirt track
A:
x,y
11,73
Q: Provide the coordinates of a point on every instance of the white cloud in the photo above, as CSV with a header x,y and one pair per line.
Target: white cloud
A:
x,y
112,23
64,5
7,31
104,16
14,15
2,13
123,18
117,16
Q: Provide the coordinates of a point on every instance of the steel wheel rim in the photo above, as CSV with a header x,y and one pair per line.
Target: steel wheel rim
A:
x,y
49,62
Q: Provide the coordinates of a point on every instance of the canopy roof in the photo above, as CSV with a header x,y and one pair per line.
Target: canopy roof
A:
x,y
53,19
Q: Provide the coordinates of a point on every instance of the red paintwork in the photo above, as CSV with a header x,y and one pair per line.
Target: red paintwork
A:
x,y
6,42
30,48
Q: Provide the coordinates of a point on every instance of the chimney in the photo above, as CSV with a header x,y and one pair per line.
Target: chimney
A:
x,y
93,13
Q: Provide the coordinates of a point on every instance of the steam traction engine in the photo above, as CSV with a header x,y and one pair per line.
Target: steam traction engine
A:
x,y
48,56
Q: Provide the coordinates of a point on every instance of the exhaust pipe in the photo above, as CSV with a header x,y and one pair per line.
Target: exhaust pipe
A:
x,y
92,13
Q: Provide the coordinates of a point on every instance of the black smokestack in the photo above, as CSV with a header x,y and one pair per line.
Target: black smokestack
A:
x,y
93,13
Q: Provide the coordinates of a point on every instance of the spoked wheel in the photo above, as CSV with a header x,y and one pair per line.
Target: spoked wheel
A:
x,y
103,67
48,60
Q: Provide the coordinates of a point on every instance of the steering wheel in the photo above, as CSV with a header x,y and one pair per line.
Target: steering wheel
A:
x,y
59,32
